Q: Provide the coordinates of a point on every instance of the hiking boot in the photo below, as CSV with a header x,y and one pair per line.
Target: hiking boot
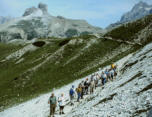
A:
x,y
63,113
60,113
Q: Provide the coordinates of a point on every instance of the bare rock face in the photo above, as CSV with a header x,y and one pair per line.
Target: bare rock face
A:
x,y
40,24
43,7
139,10
29,11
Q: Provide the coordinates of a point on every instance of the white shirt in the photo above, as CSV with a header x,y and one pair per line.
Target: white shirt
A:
x,y
112,72
61,101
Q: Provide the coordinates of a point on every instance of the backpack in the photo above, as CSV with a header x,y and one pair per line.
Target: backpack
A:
x,y
85,83
71,91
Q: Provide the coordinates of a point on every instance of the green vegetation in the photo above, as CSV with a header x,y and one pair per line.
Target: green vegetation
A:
x,y
127,32
85,33
54,73
62,61
71,32
7,49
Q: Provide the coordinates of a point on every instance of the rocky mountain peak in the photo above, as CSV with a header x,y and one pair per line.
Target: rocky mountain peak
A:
x,y
140,5
29,11
42,9
140,10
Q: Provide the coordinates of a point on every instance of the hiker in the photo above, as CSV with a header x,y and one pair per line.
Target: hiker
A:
x,y
61,101
96,81
104,77
92,86
83,89
72,93
78,90
86,85
108,74
112,74
52,101
99,78
113,66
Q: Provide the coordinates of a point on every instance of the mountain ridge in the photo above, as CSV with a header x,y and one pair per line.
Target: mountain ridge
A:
x,y
139,10
37,23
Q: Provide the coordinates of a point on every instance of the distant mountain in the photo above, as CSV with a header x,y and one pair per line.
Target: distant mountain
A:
x,y
140,10
38,23
5,19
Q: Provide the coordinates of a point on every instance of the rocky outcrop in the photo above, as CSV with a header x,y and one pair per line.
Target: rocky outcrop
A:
x,y
41,10
43,7
29,11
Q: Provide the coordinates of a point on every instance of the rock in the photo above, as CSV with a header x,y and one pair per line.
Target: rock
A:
x,y
29,11
40,24
150,113
43,7
139,10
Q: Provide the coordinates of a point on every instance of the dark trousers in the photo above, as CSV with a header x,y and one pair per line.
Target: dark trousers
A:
x,y
52,109
103,81
86,90
61,109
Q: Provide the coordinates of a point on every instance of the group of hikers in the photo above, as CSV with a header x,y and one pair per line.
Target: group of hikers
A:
x,y
84,88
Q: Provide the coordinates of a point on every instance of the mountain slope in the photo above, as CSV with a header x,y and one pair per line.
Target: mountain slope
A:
x,y
75,58
38,67
138,31
37,22
140,10
128,95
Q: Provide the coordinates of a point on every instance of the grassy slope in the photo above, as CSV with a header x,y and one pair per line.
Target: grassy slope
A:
x,y
17,86
55,73
127,32
5,50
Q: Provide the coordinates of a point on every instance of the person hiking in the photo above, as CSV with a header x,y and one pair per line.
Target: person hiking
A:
x,y
113,66
52,101
86,85
92,86
104,77
72,93
61,101
83,89
112,74
96,79
108,74
99,78
78,90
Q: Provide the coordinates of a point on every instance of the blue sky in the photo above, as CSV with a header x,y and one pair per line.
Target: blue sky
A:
x,y
97,12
